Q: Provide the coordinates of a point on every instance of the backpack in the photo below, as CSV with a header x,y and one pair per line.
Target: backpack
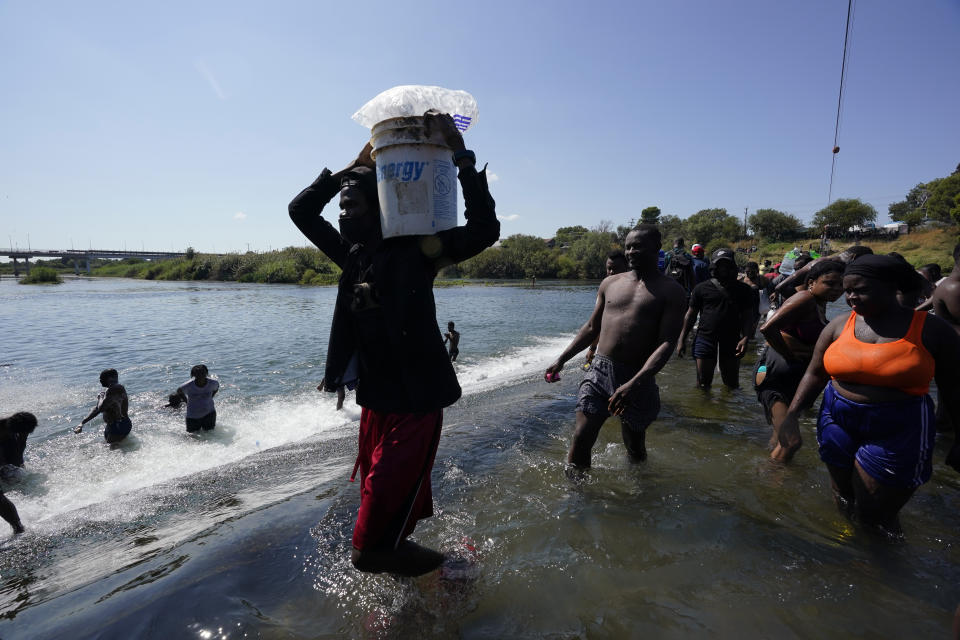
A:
x,y
680,268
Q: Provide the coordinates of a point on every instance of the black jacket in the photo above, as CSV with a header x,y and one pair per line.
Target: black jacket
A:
x,y
385,313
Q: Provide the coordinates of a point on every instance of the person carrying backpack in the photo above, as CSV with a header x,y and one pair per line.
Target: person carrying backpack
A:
x,y
679,266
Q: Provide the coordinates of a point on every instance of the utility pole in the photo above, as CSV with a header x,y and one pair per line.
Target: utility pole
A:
x,y
745,222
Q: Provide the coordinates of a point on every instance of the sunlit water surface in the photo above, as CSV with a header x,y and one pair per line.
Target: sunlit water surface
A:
x,y
244,532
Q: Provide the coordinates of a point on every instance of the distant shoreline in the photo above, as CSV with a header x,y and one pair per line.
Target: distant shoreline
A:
x,y
308,266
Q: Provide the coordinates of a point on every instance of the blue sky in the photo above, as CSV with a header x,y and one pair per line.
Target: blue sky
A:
x,y
164,125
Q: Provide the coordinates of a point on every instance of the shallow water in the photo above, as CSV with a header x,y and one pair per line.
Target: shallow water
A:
x,y
244,532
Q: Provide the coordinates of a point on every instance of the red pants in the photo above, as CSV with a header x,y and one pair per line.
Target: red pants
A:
x,y
396,455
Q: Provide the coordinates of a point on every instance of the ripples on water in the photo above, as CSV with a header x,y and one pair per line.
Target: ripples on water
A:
x,y
245,532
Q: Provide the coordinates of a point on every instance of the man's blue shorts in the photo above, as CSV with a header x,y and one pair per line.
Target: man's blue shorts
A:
x,y
709,347
892,441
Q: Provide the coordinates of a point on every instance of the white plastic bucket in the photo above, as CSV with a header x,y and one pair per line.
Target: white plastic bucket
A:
x,y
416,179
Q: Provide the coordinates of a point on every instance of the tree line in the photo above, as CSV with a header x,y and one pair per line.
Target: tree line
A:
x,y
574,253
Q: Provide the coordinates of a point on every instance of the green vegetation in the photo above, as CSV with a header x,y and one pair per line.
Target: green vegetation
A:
x,y
775,225
579,253
934,201
41,275
293,265
842,214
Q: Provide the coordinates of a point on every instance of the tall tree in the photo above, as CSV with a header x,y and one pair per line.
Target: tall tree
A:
x,y
566,235
774,225
707,225
944,201
912,208
671,227
590,253
842,214
650,215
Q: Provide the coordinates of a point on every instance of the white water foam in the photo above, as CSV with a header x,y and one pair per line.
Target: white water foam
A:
x,y
511,367
71,479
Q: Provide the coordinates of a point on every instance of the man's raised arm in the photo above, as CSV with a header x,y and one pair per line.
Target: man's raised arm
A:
x,y
305,211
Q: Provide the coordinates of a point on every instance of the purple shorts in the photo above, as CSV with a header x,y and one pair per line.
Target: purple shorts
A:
x,y
892,441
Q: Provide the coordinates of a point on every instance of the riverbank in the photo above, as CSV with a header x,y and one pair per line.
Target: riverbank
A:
x,y
308,266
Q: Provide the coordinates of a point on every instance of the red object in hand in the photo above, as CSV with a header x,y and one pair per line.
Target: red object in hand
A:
x,y
551,377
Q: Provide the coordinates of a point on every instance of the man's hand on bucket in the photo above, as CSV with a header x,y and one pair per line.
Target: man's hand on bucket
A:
x,y
363,159
443,123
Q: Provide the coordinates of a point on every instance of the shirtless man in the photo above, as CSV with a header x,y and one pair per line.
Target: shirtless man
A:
x,y
945,302
946,297
112,403
637,318
616,263
453,337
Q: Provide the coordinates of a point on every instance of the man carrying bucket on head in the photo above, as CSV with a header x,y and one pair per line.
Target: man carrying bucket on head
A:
x,y
385,339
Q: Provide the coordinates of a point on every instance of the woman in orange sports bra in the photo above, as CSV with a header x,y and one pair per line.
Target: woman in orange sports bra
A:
x,y
876,426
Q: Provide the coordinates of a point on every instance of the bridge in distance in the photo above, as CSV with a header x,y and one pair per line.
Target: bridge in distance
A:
x,y
81,256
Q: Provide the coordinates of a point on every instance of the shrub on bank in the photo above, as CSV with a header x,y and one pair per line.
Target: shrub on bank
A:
x,y
42,275
289,265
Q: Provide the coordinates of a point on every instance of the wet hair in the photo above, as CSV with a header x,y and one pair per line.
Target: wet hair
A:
x,y
21,422
651,231
199,370
822,268
616,254
107,374
174,400
450,324
854,252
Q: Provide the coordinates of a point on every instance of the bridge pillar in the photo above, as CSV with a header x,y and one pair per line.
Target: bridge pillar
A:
x,y
76,267
16,269
88,266
26,261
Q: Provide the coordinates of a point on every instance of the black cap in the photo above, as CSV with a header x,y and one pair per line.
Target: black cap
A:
x,y
723,254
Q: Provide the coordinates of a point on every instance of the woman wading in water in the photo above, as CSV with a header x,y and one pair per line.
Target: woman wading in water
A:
x,y
877,427
791,334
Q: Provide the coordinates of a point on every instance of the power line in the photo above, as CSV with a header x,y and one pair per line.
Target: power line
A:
x,y
843,75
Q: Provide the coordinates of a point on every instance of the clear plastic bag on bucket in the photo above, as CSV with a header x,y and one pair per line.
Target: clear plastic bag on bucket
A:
x,y
414,100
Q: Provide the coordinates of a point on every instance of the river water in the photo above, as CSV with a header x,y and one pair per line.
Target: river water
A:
x,y
245,532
